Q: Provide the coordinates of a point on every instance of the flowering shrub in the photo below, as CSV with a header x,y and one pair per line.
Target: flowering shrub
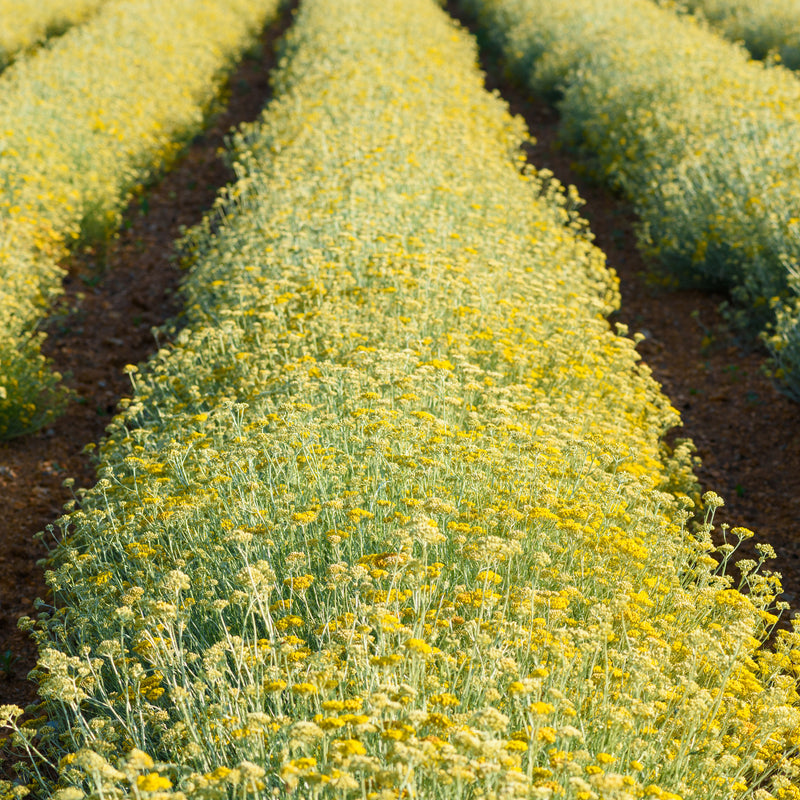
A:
x,y
392,516
768,28
700,139
84,123
23,23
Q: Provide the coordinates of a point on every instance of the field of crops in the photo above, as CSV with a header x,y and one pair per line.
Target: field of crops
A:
x,y
768,29
24,24
392,513
85,123
701,140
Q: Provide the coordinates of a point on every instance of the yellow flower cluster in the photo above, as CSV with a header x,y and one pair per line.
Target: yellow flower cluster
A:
x,y
84,123
391,517
768,28
24,23
700,138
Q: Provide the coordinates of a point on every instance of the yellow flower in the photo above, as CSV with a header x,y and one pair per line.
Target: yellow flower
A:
x,y
299,584
153,782
489,576
304,688
349,747
305,517
307,762
606,758
419,647
516,745
546,734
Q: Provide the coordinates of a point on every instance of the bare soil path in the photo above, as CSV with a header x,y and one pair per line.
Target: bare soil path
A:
x,y
114,296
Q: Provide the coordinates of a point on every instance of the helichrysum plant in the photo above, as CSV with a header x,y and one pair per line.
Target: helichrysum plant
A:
x,y
768,29
700,138
392,515
83,124
24,24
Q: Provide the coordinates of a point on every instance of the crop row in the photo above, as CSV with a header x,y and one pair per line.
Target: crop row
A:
x,y
84,123
768,28
701,139
392,515
24,23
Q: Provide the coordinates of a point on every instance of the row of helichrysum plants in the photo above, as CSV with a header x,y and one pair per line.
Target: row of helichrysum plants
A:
x,y
700,139
767,28
392,516
82,124
24,23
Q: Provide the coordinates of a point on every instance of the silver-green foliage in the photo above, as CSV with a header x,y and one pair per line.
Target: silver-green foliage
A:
x,y
701,140
392,513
